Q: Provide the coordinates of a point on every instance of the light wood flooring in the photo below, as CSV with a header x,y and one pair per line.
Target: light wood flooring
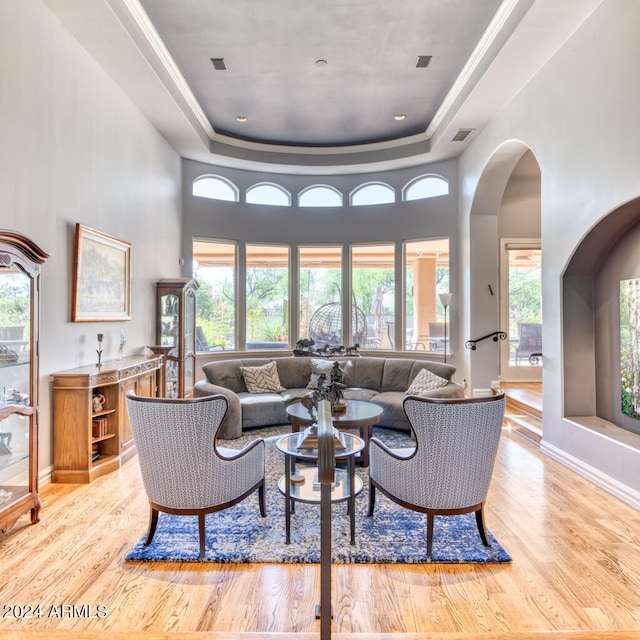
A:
x,y
575,573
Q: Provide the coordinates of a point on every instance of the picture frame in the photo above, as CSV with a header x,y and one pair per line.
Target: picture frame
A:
x,y
101,277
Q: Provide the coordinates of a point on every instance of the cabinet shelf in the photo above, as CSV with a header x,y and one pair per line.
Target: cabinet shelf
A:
x,y
105,460
104,412
106,436
8,460
20,363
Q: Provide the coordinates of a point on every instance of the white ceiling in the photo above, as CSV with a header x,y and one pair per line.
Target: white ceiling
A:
x,y
304,117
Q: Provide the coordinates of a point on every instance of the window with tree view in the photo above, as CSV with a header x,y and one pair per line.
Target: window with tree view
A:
x,y
427,276
320,305
214,266
373,288
267,296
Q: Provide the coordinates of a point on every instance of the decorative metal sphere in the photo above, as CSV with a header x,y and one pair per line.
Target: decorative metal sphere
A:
x,y
325,325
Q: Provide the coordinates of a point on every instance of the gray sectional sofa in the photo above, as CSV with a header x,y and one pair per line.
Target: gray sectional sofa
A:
x,y
383,381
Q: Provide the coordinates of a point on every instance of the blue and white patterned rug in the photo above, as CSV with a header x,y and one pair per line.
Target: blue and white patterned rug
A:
x,y
392,535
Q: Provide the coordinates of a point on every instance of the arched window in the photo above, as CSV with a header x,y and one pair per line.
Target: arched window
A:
x,y
215,187
320,195
372,193
425,187
268,193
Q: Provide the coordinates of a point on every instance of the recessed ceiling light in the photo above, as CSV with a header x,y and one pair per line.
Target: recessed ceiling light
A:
x,y
241,118
321,63
399,116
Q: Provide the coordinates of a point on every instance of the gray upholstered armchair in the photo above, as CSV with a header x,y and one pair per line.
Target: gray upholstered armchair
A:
x,y
449,470
183,470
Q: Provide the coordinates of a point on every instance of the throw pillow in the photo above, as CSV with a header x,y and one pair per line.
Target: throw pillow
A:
x,y
425,381
263,379
319,366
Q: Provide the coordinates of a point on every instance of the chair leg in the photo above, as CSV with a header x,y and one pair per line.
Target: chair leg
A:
x,y
201,533
430,518
263,509
153,523
481,528
372,499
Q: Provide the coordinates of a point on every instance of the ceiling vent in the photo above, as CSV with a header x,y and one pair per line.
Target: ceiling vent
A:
x,y
218,64
423,61
462,135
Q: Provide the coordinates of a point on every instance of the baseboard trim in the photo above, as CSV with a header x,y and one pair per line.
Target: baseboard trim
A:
x,y
602,480
44,477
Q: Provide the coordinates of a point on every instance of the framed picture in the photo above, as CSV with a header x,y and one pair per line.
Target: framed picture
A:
x,y
101,278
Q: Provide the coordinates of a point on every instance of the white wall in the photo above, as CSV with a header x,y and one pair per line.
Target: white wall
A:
x,y
579,117
74,149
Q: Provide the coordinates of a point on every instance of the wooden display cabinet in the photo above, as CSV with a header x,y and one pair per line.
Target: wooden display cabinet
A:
x,y
176,334
20,261
91,429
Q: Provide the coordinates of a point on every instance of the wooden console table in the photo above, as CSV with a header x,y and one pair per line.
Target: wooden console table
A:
x,y
86,443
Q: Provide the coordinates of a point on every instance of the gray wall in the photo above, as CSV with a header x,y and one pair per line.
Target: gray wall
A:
x,y
75,149
583,179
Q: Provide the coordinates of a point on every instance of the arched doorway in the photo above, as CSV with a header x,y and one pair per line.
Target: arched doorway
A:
x,y
505,249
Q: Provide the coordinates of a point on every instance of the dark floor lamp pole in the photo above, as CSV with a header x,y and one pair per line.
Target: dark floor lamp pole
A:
x,y
445,299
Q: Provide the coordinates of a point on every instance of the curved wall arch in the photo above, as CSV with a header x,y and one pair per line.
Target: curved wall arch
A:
x,y
483,313
606,255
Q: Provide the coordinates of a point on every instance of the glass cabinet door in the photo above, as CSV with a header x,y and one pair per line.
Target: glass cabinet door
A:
x,y
169,327
15,383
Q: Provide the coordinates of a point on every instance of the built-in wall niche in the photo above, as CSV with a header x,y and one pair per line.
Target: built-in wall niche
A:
x,y
593,342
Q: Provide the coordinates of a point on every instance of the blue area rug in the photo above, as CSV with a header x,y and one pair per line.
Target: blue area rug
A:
x,y
392,535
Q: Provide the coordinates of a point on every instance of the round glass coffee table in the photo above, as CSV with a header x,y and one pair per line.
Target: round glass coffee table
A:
x,y
304,487
359,416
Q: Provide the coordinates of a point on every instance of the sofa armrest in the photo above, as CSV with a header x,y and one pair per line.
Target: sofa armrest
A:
x,y
231,426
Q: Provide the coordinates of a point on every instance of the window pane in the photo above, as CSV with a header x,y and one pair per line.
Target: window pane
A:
x,y
267,296
427,187
525,304
214,266
320,299
373,194
268,194
373,286
320,197
427,276
216,188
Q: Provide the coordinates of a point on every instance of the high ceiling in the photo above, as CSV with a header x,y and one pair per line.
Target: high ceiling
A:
x,y
320,73
333,86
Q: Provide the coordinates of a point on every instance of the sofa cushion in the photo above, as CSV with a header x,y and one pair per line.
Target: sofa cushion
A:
x,y
261,410
364,372
396,375
359,394
262,379
426,381
393,412
226,373
318,367
293,372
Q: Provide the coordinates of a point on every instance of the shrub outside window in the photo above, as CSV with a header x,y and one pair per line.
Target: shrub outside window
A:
x,y
267,296
320,303
373,287
214,266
